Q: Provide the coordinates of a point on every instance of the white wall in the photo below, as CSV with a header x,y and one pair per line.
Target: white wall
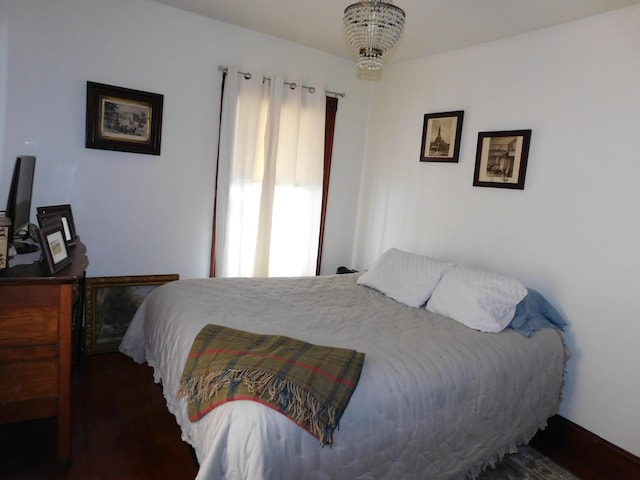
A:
x,y
143,214
573,233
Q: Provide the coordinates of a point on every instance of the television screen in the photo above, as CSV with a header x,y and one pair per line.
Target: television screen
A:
x,y
19,201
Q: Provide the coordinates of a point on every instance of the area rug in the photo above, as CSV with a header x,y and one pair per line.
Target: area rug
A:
x,y
527,464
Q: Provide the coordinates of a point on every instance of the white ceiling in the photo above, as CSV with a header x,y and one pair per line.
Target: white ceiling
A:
x,y
432,26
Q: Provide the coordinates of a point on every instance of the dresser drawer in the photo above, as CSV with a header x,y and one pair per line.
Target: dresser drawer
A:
x,y
29,295
29,315
36,319
28,326
27,373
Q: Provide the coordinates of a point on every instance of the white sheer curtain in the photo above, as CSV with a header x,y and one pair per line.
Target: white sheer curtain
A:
x,y
269,177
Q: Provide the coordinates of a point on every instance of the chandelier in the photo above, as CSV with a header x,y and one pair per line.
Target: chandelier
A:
x,y
372,27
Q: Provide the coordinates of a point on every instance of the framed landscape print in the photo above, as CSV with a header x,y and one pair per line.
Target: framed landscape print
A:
x,y
111,303
123,119
501,159
441,133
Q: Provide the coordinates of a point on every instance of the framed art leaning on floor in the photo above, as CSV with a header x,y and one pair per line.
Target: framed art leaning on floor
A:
x,y
111,303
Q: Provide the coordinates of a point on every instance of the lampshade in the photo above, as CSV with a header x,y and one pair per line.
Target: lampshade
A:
x,y
373,27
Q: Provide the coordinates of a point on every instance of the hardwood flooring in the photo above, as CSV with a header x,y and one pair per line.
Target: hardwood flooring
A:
x,y
121,429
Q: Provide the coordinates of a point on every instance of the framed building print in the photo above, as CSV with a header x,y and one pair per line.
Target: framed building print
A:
x,y
441,133
501,159
123,119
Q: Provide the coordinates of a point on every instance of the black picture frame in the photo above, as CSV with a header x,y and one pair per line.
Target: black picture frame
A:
x,y
110,303
123,119
55,255
65,213
441,134
501,159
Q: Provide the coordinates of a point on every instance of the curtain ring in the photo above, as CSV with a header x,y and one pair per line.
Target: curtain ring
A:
x,y
247,76
292,86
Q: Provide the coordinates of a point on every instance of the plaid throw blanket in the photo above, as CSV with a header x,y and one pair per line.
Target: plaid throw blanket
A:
x,y
308,383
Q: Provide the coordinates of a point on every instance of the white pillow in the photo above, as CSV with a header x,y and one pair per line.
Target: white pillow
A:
x,y
479,299
406,277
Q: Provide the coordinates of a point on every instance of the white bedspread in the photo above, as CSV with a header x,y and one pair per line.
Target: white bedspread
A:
x,y
436,400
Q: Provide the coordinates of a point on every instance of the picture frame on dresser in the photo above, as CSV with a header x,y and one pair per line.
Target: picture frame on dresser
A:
x,y
55,255
5,224
65,213
110,304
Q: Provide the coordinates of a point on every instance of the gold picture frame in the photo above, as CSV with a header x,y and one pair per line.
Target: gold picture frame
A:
x,y
111,303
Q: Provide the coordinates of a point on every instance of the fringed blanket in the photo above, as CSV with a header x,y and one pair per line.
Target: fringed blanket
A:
x,y
308,383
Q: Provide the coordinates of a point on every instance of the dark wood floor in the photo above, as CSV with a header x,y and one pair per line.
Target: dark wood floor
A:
x,y
121,429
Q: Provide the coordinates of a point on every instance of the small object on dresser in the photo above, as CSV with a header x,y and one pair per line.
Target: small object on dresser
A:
x,y
343,270
5,223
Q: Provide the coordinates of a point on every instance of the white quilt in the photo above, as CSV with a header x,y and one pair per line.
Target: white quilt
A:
x,y
436,400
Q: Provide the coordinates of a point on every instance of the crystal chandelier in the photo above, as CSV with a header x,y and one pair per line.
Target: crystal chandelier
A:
x,y
372,27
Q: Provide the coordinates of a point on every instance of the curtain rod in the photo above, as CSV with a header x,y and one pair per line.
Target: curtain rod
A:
x,y
292,85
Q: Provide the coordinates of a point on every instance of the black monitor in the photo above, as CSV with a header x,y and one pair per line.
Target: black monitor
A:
x,y
19,202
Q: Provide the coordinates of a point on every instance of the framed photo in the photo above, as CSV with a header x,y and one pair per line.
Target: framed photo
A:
x,y
55,256
441,133
46,214
123,119
5,223
110,305
501,159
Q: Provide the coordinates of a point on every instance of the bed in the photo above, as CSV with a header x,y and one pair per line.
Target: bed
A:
x,y
435,400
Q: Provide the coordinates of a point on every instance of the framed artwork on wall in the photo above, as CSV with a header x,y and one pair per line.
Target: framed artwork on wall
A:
x,y
501,159
441,133
123,119
110,304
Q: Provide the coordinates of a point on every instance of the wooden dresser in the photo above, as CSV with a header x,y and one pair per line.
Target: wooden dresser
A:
x,y
36,316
